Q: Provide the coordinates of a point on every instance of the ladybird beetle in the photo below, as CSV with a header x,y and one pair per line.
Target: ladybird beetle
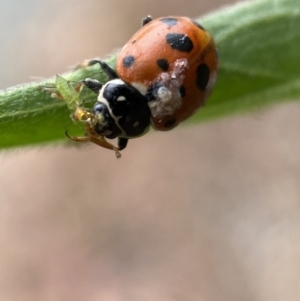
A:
x,y
163,75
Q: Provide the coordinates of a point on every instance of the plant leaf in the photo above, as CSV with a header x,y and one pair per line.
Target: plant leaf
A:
x,y
258,43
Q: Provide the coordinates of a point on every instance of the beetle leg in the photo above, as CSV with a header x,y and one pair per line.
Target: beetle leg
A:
x,y
122,143
92,84
100,140
91,136
146,20
110,72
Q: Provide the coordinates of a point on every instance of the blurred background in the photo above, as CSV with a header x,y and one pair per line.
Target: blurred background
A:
x,y
205,212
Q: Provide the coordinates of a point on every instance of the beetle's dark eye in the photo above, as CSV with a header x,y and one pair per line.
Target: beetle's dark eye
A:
x,y
98,108
104,123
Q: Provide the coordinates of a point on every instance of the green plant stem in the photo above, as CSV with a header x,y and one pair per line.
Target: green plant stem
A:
x,y
258,44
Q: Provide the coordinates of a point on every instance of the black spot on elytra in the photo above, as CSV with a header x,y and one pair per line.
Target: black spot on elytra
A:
x,y
169,21
202,76
163,64
128,61
199,25
170,123
180,42
182,91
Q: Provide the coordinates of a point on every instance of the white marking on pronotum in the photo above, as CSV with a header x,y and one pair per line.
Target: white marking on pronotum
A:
x,y
121,98
140,87
102,99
